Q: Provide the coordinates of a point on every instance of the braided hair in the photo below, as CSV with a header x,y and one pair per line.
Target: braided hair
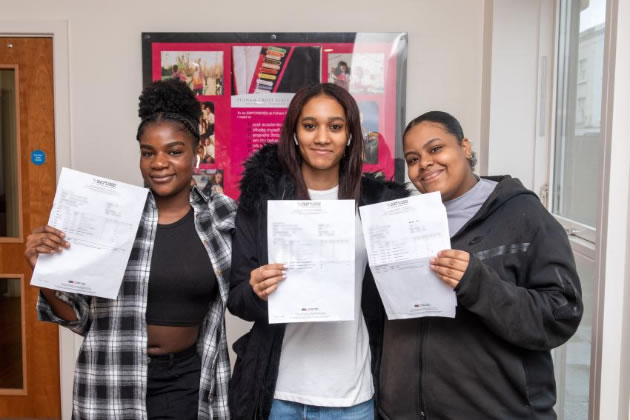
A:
x,y
169,100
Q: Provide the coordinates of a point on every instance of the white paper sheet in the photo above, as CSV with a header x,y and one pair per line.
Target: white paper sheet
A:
x,y
401,236
100,218
315,239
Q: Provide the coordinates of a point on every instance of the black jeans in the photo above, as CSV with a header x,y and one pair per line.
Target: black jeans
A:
x,y
173,386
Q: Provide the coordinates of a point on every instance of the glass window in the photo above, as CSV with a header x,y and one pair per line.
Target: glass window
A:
x,y
573,360
11,370
580,114
576,174
578,118
9,183
583,74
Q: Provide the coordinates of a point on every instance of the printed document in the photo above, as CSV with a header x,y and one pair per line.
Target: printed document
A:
x,y
315,240
100,218
401,236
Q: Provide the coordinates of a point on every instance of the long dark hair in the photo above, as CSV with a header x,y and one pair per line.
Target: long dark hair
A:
x,y
352,161
338,71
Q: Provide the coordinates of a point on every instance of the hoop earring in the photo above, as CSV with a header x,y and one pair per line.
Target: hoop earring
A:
x,y
349,140
295,139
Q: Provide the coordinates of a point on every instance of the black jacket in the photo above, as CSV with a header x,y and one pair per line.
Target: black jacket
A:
x,y
258,352
519,298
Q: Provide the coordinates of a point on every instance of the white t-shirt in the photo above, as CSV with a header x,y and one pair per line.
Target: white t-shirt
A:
x,y
328,363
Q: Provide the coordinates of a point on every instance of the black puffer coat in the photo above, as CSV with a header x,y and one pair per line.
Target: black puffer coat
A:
x,y
258,352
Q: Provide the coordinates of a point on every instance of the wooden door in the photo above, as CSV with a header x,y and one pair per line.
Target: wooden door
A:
x,y
29,349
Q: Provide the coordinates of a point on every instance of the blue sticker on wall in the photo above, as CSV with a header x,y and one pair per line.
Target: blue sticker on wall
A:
x,y
38,157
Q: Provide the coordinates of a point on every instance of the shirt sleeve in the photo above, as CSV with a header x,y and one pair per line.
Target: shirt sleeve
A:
x,y
544,307
222,371
79,303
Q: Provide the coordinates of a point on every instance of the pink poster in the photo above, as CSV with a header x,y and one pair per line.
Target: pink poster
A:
x,y
245,88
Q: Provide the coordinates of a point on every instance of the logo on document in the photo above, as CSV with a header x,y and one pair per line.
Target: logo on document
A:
x,y
79,283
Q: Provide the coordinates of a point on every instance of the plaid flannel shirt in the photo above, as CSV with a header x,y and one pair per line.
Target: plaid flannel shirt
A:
x,y
111,370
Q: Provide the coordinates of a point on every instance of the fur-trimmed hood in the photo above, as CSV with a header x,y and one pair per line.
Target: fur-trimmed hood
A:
x,y
264,178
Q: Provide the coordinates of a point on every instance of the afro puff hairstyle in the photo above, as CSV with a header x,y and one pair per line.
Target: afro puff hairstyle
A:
x,y
170,100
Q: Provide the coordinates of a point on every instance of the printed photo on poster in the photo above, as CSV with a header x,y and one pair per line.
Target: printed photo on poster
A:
x,y
368,113
359,73
340,71
206,151
209,180
368,73
201,70
274,69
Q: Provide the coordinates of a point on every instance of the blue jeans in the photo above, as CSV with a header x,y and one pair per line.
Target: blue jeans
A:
x,y
287,410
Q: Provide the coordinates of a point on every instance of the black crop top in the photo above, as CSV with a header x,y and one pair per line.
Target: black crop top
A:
x,y
182,281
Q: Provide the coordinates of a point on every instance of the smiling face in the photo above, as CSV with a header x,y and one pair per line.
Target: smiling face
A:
x,y
436,161
167,159
322,135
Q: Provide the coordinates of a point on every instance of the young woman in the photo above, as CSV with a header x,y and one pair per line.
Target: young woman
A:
x,y
296,370
216,182
208,150
341,75
517,290
198,81
159,350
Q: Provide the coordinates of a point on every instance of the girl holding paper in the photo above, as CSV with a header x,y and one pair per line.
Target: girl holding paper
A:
x,y
517,289
327,368
159,350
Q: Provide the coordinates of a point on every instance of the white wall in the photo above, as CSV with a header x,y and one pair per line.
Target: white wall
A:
x,y
104,49
615,226
513,89
105,64
520,33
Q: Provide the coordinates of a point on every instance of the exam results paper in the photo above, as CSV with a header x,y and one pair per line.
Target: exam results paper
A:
x,y
100,218
315,240
401,236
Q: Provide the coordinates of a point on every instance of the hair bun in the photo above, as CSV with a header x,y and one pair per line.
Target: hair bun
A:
x,y
169,96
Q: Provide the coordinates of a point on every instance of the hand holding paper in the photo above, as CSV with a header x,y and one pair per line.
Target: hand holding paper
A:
x,y
100,218
315,241
44,240
266,278
450,266
401,236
